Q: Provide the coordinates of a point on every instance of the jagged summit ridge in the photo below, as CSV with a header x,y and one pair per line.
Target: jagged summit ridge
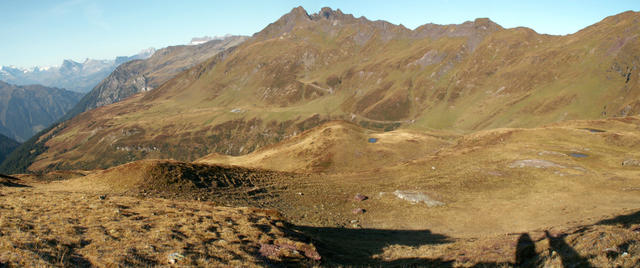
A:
x,y
299,17
330,14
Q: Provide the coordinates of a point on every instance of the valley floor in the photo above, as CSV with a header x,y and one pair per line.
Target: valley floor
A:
x,y
559,195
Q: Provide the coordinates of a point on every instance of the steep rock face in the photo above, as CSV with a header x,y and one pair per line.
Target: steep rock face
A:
x,y
144,75
7,145
25,110
303,70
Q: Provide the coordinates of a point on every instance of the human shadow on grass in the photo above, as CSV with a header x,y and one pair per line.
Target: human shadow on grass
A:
x,y
343,246
357,247
569,256
626,220
527,257
526,254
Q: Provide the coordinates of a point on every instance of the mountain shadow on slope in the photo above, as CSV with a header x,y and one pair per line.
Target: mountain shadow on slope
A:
x,y
7,145
28,109
25,154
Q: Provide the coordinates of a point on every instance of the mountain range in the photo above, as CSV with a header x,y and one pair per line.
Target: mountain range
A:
x,y
144,75
26,110
303,70
71,75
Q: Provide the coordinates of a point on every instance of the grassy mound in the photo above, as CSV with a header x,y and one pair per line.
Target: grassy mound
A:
x,y
338,146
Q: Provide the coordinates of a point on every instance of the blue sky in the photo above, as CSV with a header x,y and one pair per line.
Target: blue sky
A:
x,y
46,32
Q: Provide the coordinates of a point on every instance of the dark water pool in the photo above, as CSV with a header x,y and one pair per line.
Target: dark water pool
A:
x,y
593,130
579,155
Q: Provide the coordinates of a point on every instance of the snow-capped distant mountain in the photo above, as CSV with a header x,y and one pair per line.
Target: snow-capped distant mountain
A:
x,y
204,39
144,75
143,54
71,75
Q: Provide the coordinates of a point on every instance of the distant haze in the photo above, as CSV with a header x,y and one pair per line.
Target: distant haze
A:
x,y
71,75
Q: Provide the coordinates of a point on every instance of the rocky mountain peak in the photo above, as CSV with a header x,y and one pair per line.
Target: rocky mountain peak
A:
x,y
286,23
487,23
329,14
296,14
69,64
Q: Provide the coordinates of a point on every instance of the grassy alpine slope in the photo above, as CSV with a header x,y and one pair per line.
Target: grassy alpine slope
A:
x,y
144,75
303,70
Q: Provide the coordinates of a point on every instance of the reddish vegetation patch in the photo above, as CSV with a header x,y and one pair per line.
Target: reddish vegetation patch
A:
x,y
358,211
549,105
395,107
360,197
288,249
372,98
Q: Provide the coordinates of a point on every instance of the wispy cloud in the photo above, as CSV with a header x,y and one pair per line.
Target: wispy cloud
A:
x,y
93,14
65,7
90,10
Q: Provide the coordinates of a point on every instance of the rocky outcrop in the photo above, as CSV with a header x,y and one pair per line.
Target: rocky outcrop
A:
x,y
143,75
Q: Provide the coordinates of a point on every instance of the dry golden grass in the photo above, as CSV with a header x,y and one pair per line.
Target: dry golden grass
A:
x,y
40,226
529,174
337,147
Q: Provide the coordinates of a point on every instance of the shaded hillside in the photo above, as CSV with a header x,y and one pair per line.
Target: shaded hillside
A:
x,y
303,70
26,110
144,75
7,145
